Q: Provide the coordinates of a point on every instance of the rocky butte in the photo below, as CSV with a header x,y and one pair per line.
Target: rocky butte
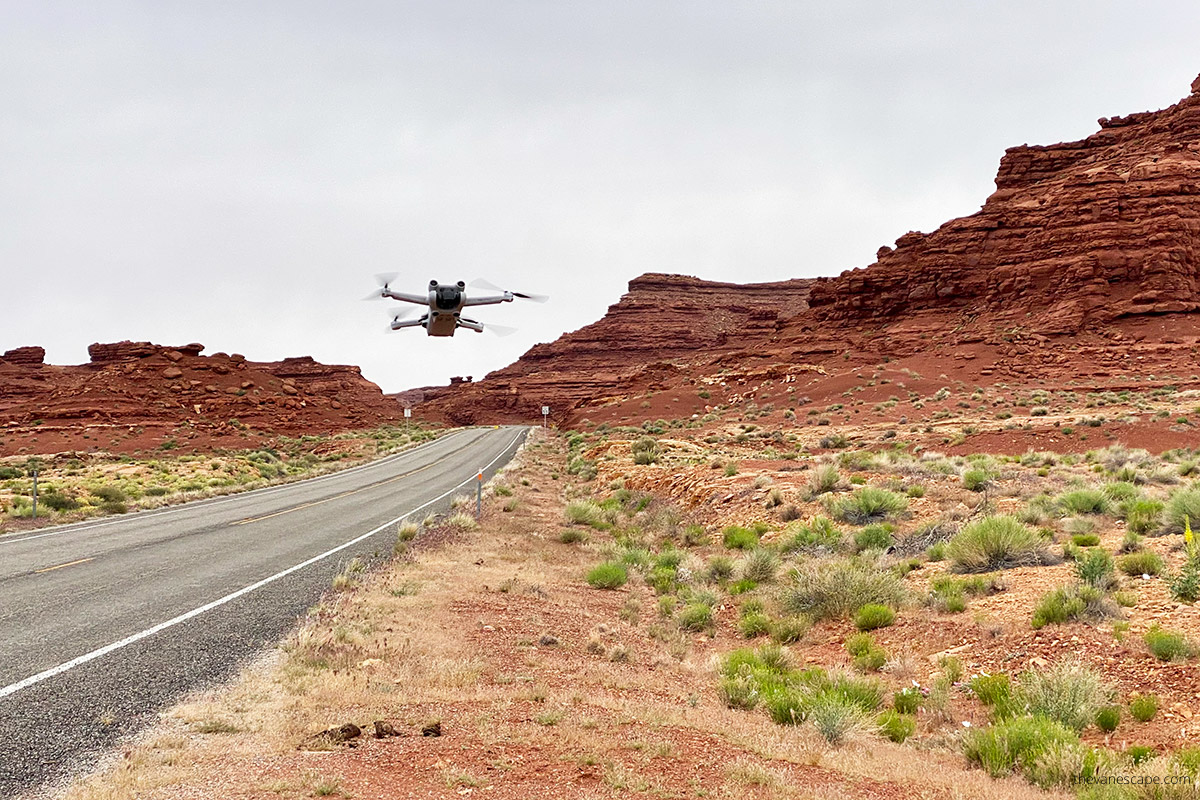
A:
x,y
1082,264
134,395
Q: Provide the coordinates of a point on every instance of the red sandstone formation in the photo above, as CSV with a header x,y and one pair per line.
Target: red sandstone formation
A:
x,y
1084,263
138,394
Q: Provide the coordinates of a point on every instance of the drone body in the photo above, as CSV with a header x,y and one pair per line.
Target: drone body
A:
x,y
445,302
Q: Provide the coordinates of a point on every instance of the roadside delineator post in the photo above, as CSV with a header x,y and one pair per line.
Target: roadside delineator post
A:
x,y
479,495
35,472
545,414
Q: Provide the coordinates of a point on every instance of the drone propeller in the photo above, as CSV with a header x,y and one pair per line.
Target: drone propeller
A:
x,y
480,283
383,279
398,316
499,330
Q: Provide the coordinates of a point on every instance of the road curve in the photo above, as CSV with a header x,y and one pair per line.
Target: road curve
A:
x,y
104,623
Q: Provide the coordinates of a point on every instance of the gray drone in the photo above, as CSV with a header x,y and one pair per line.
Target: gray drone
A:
x,y
445,302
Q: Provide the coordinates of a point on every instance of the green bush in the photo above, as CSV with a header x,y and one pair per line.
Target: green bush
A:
x,y
996,543
736,537
789,629
1108,718
1143,707
830,589
1146,562
696,617
873,616
1085,540
645,451
9,473
1168,645
866,656
1141,514
572,536
896,726
877,536
1184,504
720,568
906,700
1014,744
109,494
818,536
1067,692
976,480
57,500
609,575
1084,501
586,512
995,692
1069,603
1185,585
835,716
869,504
755,624
1121,491
1095,568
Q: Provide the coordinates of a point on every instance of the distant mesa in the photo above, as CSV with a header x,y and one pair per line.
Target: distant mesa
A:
x,y
25,356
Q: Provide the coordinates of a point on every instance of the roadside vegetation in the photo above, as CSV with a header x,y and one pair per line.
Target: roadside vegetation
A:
x,y
79,486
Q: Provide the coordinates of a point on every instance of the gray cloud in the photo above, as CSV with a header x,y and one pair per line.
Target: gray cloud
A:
x,y
234,173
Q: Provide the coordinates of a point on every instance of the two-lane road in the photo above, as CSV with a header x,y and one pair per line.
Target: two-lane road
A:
x,y
104,623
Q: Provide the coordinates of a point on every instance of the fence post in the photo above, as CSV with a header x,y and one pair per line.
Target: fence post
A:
x,y
35,473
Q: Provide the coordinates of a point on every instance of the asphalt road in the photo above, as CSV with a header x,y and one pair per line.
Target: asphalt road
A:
x,y
105,623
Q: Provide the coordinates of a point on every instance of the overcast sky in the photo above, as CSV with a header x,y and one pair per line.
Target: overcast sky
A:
x,y
235,173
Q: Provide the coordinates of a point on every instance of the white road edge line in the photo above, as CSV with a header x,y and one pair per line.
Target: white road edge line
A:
x,y
195,612
77,527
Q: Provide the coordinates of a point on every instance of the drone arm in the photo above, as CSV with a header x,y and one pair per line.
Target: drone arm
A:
x,y
488,301
471,324
419,299
408,323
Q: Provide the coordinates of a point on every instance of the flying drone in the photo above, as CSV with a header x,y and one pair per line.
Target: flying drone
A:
x,y
445,302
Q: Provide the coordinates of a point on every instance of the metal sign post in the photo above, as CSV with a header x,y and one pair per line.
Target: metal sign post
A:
x,y
479,495
545,414
35,473
407,416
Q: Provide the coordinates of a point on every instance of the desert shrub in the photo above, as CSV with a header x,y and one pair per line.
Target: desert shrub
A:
x,y
9,473
1084,501
936,551
823,479
873,616
995,692
1146,562
1067,692
1095,568
865,654
645,450
835,716
1141,514
996,543
876,536
754,624
1168,645
906,700
720,568
1121,491
1068,603
57,500
760,565
976,479
109,494
736,537
819,536
1014,744
896,726
1182,505
696,617
869,504
1108,718
586,512
1143,707
609,575
1085,540
786,630
572,536
838,588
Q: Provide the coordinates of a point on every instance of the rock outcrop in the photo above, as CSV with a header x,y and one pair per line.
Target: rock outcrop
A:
x,y
656,330
134,394
1084,262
